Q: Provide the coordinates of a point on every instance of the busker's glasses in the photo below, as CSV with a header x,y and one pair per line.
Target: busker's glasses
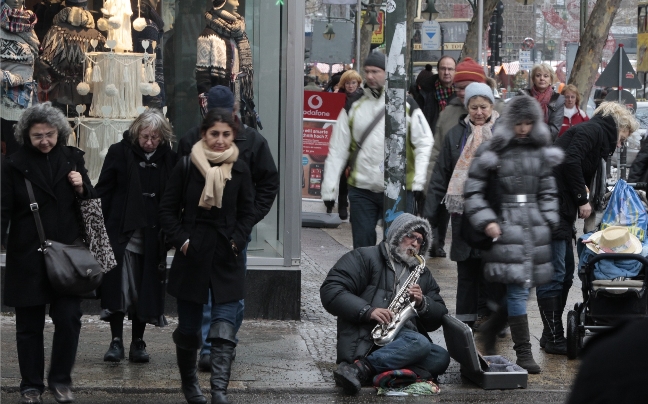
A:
x,y
418,239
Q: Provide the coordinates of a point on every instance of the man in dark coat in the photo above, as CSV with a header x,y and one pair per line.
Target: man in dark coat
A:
x,y
585,145
359,289
436,90
639,167
255,152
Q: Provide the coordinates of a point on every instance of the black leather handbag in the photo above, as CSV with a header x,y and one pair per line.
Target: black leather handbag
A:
x,y
71,269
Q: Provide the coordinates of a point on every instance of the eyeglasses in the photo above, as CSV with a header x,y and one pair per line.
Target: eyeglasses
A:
x,y
418,239
447,69
152,139
48,136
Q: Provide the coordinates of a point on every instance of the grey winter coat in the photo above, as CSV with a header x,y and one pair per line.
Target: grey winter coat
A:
x,y
363,279
528,197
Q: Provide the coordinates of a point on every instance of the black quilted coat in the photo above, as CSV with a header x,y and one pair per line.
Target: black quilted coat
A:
x,y
522,254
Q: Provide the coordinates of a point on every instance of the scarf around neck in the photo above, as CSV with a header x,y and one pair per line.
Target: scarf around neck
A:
x,y
17,20
454,199
215,176
443,94
543,98
231,26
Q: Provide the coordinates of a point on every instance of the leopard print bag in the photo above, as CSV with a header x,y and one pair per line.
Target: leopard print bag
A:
x,y
96,237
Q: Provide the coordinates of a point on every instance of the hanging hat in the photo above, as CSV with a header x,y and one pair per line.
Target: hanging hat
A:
x,y
220,97
76,3
217,4
469,70
376,59
614,239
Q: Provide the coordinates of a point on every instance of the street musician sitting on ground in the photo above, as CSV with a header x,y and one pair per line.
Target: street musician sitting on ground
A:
x,y
360,290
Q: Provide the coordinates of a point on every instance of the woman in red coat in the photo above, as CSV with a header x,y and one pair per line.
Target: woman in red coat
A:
x,y
573,114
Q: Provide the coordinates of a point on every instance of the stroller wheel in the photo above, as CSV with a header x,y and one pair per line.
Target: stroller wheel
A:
x,y
573,337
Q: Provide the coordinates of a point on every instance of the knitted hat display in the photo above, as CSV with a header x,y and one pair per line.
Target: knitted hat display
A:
x,y
469,70
478,90
376,59
220,97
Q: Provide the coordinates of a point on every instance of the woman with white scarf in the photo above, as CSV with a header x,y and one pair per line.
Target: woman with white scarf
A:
x,y
447,186
207,212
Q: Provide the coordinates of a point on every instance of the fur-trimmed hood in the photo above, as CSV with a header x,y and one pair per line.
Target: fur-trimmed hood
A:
x,y
406,223
519,108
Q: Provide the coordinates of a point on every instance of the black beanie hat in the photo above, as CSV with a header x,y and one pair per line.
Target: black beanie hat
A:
x,y
376,59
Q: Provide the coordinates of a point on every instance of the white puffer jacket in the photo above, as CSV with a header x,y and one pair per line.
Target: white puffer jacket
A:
x,y
368,171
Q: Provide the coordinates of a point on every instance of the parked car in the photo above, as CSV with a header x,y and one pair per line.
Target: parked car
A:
x,y
637,138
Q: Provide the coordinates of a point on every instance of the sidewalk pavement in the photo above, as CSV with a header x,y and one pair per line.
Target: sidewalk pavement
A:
x,y
290,356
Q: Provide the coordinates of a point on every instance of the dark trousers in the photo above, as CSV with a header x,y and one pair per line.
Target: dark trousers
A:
x,y
30,322
366,210
190,315
469,279
441,229
343,193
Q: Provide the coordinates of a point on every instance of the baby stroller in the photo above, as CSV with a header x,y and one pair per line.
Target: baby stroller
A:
x,y
610,301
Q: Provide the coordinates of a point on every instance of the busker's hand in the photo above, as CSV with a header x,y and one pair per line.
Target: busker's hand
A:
x,y
584,211
382,316
184,248
493,230
329,206
77,181
416,293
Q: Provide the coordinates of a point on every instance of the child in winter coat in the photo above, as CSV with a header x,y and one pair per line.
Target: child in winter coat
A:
x,y
518,160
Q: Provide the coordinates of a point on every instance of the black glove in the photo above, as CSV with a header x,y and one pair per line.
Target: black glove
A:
x,y
419,199
329,206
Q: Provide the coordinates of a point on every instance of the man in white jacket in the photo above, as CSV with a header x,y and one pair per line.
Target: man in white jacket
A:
x,y
366,180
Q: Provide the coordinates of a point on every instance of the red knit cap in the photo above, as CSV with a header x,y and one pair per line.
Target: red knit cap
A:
x,y
469,70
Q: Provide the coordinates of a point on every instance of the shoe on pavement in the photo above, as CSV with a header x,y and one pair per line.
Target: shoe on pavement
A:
x,y
137,352
31,396
115,352
437,252
481,319
62,394
204,363
346,375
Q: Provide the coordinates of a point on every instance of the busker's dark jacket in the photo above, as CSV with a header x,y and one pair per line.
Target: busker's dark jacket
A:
x,y
441,175
254,151
556,111
362,279
26,282
131,187
584,146
639,168
210,262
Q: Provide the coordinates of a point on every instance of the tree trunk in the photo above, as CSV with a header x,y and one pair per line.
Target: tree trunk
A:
x,y
588,57
471,46
365,43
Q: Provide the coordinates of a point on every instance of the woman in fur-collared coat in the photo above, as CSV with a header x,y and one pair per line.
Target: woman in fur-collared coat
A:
x,y
518,161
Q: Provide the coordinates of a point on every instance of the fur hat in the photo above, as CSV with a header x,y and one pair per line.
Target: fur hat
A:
x,y
376,59
406,223
478,90
469,70
220,97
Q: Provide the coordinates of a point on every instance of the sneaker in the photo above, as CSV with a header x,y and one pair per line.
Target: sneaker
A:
x,y
138,352
204,363
115,352
31,396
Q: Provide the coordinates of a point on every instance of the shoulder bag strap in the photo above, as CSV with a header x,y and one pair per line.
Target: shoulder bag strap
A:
x,y
364,136
33,206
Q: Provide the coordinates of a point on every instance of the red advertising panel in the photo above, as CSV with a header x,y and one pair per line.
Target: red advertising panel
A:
x,y
323,105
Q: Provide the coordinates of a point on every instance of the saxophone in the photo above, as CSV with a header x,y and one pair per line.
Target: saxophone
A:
x,y
401,307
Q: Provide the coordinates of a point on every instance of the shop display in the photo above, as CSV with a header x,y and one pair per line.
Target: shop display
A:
x,y
224,56
149,26
117,21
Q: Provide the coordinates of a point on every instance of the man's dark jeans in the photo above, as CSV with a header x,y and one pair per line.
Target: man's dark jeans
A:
x,y
366,209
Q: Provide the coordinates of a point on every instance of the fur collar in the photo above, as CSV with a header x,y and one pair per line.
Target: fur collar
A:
x,y
521,107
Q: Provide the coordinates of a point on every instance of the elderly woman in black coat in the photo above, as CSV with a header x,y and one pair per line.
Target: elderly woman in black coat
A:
x,y
59,179
131,185
207,212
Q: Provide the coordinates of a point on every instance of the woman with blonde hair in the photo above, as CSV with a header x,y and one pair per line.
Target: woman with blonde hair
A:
x,y
573,114
586,146
551,102
351,85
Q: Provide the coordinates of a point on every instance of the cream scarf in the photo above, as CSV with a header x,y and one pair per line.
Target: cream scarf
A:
x,y
454,199
215,176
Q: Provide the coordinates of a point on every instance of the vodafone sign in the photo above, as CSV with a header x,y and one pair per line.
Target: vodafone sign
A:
x,y
323,105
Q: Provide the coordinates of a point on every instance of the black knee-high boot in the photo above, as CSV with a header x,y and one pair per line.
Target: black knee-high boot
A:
x,y
223,343
551,310
187,354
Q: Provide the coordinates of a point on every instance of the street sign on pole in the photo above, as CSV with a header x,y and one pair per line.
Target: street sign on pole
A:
x,y
525,60
619,72
431,36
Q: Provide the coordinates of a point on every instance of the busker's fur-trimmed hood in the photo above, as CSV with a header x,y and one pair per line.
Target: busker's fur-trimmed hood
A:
x,y
406,223
520,108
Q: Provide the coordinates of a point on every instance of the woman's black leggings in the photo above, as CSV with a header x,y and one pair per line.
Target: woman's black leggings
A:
x,y
117,326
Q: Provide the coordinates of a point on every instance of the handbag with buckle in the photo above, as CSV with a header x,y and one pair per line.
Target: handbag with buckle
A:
x,y
71,269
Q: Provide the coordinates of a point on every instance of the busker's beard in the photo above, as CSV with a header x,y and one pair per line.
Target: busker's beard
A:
x,y
406,256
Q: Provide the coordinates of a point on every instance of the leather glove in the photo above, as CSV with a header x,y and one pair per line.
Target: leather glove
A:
x,y
419,199
329,206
